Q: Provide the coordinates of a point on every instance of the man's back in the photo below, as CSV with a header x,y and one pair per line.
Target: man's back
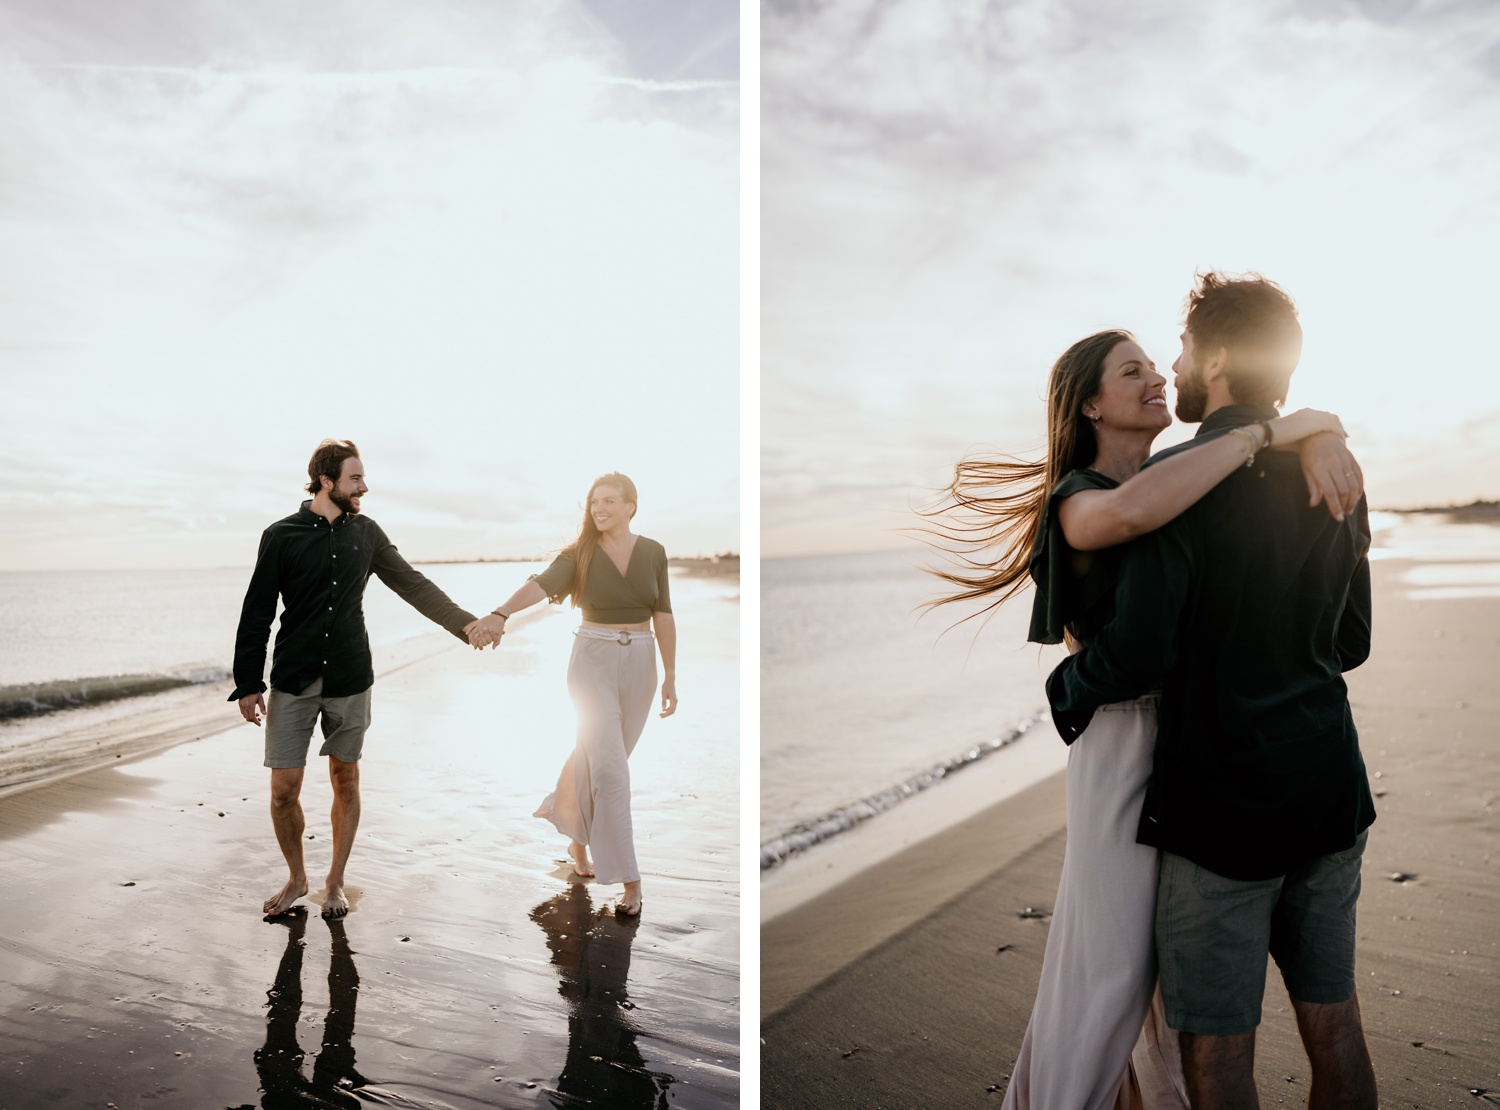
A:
x,y
1247,608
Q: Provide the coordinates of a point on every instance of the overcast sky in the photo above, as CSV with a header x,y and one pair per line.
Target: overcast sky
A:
x,y
956,190
495,243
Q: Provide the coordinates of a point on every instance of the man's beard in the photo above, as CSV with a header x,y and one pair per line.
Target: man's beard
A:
x,y
343,501
1192,399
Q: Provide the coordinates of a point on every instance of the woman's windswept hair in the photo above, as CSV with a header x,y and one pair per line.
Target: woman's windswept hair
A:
x,y
985,523
582,549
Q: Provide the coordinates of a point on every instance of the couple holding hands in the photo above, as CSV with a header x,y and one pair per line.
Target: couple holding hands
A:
x,y
317,562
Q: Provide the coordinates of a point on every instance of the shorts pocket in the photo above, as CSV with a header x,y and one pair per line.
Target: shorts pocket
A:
x,y
1211,885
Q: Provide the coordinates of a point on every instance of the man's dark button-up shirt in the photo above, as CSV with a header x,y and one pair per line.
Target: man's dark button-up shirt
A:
x,y
1244,612
320,570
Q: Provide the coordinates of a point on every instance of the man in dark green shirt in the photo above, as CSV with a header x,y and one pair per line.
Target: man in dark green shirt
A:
x,y
317,561
1244,612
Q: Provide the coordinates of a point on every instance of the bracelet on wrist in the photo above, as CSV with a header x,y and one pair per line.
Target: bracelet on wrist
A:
x,y
1252,444
1265,426
501,613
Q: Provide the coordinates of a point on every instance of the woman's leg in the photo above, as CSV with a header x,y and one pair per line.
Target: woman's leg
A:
x,y
1099,969
567,807
637,696
603,693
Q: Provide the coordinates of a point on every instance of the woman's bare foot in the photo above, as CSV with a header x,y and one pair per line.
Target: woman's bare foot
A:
x,y
581,864
335,902
282,900
630,904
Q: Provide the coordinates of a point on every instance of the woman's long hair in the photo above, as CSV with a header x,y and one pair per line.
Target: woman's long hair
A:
x,y
582,549
985,523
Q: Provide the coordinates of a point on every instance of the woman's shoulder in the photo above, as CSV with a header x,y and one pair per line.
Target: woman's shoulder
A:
x,y
1083,478
651,546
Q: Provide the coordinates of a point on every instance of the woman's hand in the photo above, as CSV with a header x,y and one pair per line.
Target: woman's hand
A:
x,y
1297,426
485,632
668,696
1332,472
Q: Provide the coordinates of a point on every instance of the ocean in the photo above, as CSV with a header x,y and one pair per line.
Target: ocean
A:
x,y
863,703
81,651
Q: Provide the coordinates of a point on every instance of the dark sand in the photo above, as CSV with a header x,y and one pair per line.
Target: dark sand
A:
x,y
136,968
869,1003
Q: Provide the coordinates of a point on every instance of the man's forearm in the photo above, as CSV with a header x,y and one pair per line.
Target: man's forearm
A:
x,y
1135,649
254,631
420,592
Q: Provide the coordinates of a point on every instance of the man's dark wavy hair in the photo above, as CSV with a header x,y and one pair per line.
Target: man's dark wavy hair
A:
x,y
328,459
1255,321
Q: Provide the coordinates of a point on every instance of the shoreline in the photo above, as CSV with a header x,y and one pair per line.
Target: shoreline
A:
x,y
45,748
933,814
1409,548
910,982
475,968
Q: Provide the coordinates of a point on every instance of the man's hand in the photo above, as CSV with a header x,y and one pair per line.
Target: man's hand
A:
x,y
251,708
1333,475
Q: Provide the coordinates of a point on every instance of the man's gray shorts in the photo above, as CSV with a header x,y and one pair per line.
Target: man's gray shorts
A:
x,y
289,725
1213,933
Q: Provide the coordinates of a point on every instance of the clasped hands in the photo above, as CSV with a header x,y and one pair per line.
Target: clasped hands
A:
x,y
485,632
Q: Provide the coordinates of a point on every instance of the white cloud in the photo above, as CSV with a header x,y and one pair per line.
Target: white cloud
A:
x,y
955,192
464,236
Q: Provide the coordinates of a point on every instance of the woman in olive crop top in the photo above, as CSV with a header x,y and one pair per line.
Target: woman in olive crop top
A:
x,y
1096,1037
619,580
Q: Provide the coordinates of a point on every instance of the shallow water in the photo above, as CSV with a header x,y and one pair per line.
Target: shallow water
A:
x,y
57,625
474,970
859,695
860,699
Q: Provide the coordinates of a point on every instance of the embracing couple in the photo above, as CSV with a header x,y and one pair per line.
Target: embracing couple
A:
x,y
317,562
1217,802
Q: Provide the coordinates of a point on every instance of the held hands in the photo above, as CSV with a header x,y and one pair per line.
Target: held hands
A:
x,y
668,696
251,708
485,632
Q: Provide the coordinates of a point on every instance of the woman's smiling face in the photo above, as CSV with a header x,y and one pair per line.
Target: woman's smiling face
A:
x,y
608,507
1132,395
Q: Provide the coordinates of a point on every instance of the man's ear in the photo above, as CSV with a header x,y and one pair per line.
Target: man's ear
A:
x,y
325,483
1215,365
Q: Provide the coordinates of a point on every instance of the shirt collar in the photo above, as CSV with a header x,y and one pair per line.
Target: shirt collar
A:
x,y
310,517
1235,416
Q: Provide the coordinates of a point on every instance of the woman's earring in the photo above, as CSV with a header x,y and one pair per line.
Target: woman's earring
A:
x,y
1095,418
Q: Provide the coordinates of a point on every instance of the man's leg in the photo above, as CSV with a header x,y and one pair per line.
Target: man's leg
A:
x,y
345,720
1342,1076
1313,940
1212,935
1220,1071
345,777
287,820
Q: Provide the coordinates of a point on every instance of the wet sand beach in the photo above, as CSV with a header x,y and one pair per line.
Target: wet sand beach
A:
x,y
475,969
910,984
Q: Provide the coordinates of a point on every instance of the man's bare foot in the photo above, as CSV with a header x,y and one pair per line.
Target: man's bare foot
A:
x,y
630,904
581,864
335,902
282,900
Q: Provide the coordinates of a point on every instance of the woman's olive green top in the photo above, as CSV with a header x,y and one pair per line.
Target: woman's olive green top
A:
x,y
1074,590
610,597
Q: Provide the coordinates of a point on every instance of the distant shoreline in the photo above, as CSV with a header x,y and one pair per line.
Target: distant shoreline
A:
x,y
699,566
1474,510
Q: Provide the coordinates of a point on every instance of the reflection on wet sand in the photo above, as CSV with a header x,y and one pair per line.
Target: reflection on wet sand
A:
x,y
279,1061
591,951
